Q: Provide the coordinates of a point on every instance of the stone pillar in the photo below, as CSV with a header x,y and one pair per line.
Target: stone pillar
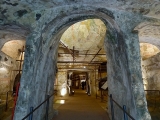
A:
x,y
37,77
124,72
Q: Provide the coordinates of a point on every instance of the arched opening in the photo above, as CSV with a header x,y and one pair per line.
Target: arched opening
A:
x,y
43,69
80,55
13,49
148,50
150,74
110,37
149,39
81,48
11,68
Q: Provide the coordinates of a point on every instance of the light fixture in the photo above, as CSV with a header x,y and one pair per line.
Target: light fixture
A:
x,y
3,69
63,91
84,67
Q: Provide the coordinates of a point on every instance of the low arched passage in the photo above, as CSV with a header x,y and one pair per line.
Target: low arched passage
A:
x,y
12,32
42,66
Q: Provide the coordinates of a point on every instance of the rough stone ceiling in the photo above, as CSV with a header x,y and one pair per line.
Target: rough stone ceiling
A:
x,y
11,48
149,8
149,33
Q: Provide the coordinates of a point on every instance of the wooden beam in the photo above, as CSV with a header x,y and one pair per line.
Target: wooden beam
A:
x,y
87,62
83,54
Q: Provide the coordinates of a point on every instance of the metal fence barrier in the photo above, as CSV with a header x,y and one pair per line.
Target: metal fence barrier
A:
x,y
7,98
32,110
125,113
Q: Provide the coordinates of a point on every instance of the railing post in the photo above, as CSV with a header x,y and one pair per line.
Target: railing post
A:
x,y
112,109
47,107
125,116
31,115
7,102
101,96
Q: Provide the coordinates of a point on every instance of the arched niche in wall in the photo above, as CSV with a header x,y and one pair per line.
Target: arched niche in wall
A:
x,y
149,32
12,51
11,32
151,76
148,50
11,48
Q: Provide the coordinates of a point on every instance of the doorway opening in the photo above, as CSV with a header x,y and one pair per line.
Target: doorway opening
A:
x,y
150,72
12,56
82,61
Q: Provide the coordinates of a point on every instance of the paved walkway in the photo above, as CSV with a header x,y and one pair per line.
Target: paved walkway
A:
x,y
80,107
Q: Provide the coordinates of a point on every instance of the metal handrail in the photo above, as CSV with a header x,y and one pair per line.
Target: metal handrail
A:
x,y
102,94
154,98
122,108
153,91
30,115
33,110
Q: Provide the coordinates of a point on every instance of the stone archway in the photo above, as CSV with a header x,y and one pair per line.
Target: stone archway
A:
x,y
12,32
44,44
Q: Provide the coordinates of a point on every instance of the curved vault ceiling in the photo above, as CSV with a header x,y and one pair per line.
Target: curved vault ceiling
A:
x,y
149,36
11,48
85,35
149,33
148,50
87,39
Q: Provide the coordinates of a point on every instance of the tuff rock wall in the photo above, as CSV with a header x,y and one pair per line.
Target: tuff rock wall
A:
x,y
46,22
151,72
6,66
7,75
61,81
